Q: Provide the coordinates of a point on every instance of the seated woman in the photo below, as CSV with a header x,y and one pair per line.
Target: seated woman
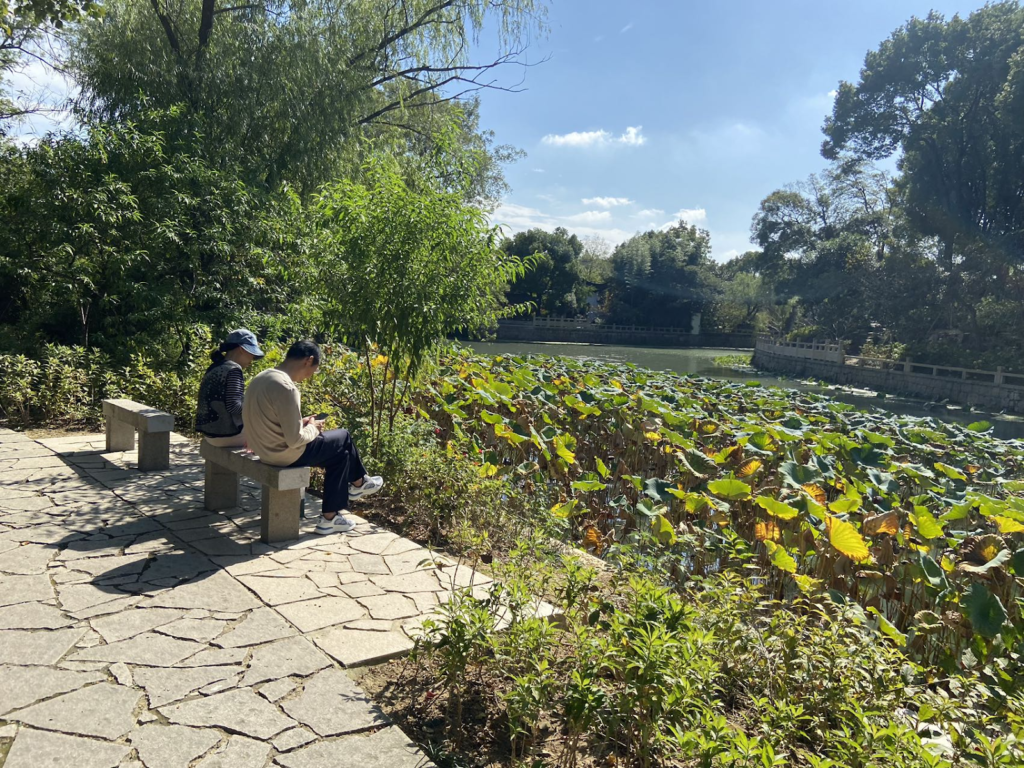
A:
x,y
219,410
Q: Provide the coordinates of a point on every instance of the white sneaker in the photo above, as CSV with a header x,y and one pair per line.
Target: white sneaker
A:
x,y
371,484
337,524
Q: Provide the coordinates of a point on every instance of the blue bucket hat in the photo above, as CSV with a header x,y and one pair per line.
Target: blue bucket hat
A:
x,y
246,339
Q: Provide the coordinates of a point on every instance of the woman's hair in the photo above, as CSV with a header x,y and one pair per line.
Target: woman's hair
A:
x,y
219,353
300,350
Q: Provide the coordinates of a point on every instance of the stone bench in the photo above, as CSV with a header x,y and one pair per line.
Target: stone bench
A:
x,y
280,494
126,417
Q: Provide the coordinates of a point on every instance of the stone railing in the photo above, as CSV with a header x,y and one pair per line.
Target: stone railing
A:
x,y
808,350
996,390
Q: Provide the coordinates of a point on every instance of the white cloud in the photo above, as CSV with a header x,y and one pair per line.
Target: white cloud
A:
x,y
589,217
606,202
690,216
626,28
647,213
632,136
537,170
577,139
600,138
833,93
519,218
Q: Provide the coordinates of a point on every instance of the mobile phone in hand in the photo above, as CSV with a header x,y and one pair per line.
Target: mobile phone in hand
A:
x,y
321,416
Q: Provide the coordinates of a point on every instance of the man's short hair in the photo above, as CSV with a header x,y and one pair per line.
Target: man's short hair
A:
x,y
300,350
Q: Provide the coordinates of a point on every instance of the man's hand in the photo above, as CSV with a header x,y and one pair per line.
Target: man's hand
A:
x,y
313,420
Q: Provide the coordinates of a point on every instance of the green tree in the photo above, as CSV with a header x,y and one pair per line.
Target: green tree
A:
x,y
122,240
283,86
662,277
948,95
22,24
406,267
553,286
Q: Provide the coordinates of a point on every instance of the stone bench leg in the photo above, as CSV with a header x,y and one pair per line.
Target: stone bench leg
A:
x,y
154,451
120,436
279,520
220,491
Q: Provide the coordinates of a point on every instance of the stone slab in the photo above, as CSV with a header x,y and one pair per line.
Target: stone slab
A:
x,y
239,711
388,747
172,746
239,752
311,615
26,560
165,686
217,592
40,749
356,647
390,607
332,704
23,686
261,626
24,589
200,630
284,658
18,646
148,649
132,622
33,616
277,591
102,710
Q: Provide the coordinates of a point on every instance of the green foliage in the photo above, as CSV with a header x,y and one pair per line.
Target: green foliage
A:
x,y
124,241
286,90
662,277
553,286
407,266
717,676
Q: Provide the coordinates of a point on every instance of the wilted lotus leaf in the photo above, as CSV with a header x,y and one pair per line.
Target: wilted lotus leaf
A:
x,y
748,467
816,492
980,554
884,553
767,531
887,522
927,622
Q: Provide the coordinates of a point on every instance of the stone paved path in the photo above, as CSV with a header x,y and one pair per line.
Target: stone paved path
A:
x,y
137,629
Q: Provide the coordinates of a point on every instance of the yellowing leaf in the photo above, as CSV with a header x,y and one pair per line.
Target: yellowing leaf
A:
x,y
591,538
748,467
652,436
781,558
767,531
847,540
816,492
888,522
708,427
806,584
927,526
1006,525
775,508
721,518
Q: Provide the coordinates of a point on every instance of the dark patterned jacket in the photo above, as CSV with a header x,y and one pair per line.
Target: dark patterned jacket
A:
x,y
219,410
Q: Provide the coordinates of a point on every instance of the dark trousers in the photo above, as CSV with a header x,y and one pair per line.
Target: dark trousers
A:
x,y
335,452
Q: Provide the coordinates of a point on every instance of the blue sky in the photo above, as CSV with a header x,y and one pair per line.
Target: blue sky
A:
x,y
647,109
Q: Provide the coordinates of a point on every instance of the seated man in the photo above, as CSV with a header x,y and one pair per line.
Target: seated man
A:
x,y
279,435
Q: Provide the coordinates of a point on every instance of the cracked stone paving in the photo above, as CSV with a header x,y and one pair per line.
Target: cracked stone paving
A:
x,y
138,629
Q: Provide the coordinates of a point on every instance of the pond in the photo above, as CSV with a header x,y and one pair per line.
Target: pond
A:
x,y
701,362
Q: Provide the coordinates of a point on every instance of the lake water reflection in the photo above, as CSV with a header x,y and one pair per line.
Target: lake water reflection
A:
x,y
700,362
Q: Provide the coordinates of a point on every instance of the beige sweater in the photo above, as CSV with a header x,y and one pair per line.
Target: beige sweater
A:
x,y
272,414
